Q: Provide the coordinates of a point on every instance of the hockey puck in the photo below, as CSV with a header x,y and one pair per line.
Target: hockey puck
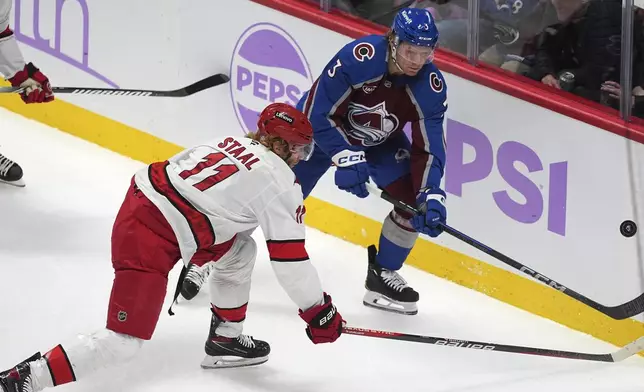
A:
x,y
628,228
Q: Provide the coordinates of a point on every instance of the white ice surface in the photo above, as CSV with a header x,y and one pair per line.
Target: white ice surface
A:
x,y
56,275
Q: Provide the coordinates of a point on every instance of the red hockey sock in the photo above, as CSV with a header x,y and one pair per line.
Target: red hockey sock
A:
x,y
59,366
234,315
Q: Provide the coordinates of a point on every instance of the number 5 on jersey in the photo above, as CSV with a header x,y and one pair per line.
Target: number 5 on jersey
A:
x,y
208,179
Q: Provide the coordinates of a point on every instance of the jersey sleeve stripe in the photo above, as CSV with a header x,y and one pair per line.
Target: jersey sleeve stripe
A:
x,y
424,164
344,99
200,225
421,163
287,250
308,104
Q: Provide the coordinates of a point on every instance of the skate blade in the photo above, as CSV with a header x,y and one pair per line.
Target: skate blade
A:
x,y
381,302
20,183
225,361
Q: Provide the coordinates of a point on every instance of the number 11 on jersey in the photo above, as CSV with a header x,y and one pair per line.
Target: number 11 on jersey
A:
x,y
221,171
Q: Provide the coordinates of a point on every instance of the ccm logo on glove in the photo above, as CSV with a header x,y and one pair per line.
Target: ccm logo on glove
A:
x,y
438,197
348,158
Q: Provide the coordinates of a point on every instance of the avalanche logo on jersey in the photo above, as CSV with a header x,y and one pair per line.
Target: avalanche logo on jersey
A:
x,y
435,82
371,125
364,50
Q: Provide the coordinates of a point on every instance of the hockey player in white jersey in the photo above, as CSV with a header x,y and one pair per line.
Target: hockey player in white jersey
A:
x,y
202,205
19,74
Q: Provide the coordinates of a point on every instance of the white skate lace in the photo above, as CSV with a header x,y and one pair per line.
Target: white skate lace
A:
x,y
246,341
27,387
393,280
198,274
5,165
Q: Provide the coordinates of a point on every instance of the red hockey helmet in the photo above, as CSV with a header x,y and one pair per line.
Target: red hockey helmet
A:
x,y
291,125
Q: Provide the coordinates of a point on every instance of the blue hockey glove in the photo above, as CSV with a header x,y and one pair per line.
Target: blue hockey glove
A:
x,y
352,172
431,204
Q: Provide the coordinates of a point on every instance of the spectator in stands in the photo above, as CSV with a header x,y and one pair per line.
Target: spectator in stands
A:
x,y
611,93
582,52
526,23
383,11
505,24
506,27
377,11
566,44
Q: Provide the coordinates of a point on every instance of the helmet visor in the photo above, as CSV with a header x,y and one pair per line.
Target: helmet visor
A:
x,y
303,151
415,54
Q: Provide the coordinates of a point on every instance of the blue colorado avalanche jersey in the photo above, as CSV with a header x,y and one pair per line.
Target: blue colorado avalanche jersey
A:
x,y
356,103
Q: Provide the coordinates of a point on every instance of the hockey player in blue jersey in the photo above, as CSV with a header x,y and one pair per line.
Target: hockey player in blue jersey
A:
x,y
358,106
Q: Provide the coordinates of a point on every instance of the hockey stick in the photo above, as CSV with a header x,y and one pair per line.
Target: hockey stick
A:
x,y
619,312
177,290
619,355
210,81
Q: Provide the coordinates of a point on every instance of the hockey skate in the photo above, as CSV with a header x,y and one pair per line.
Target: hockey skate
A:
x,y
387,290
223,352
195,278
10,172
18,378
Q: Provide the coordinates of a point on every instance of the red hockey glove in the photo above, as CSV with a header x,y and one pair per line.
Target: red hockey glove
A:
x,y
324,322
36,85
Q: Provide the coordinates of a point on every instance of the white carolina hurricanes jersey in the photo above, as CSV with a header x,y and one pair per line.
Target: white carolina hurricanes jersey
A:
x,y
11,60
211,192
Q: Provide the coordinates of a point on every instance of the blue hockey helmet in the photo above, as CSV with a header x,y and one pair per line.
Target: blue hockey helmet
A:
x,y
415,26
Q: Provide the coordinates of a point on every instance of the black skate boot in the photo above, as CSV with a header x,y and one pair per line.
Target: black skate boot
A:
x,y
387,290
223,352
195,278
10,172
18,378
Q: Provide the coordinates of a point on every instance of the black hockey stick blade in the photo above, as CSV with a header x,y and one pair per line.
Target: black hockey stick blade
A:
x,y
177,291
617,356
619,312
210,81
